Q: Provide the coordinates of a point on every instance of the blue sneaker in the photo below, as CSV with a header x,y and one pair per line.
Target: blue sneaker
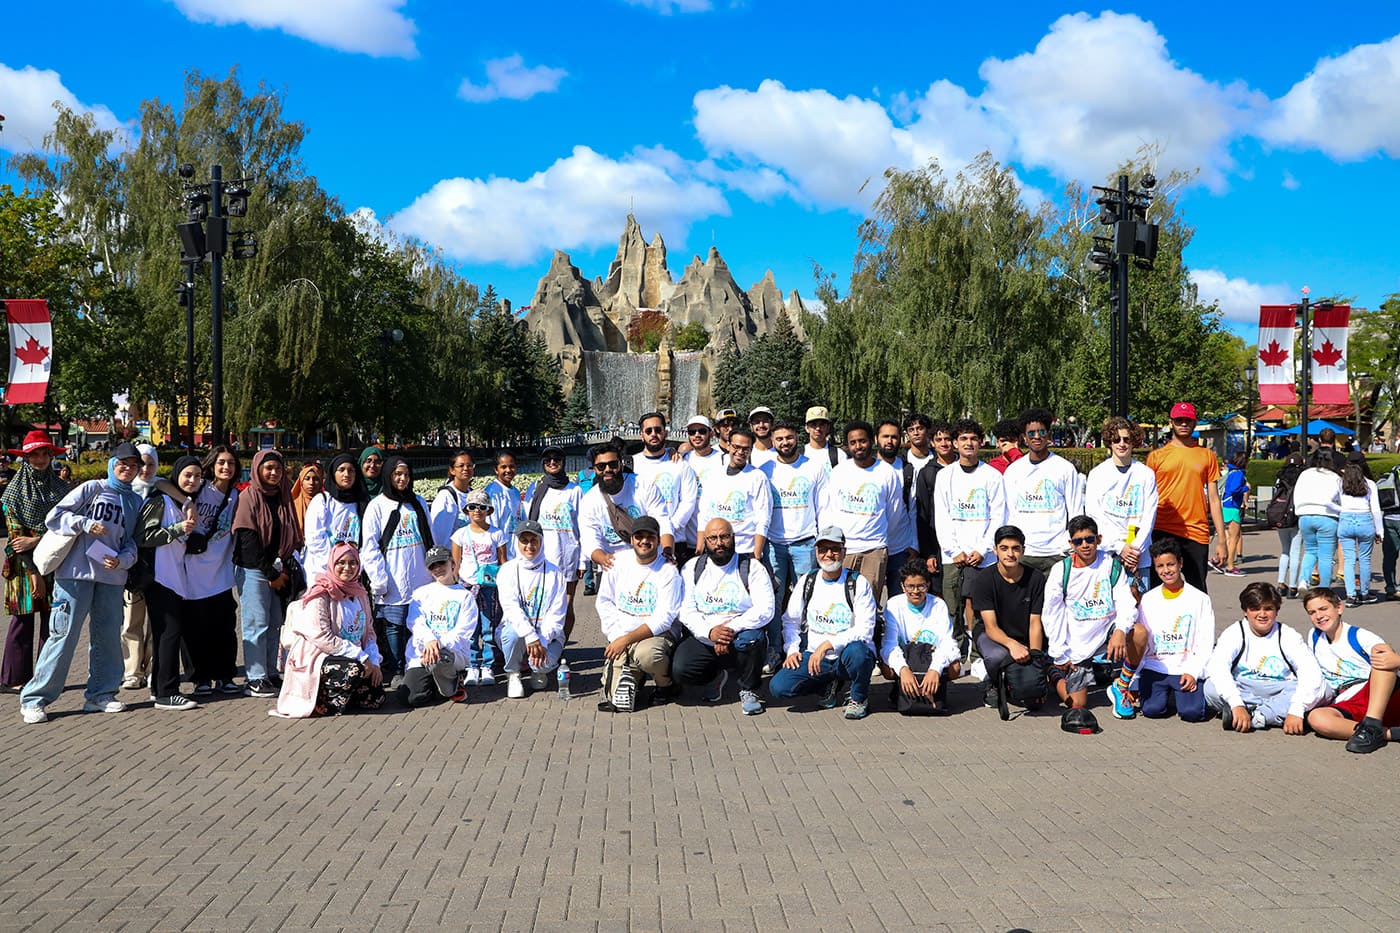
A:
x,y
1122,706
751,704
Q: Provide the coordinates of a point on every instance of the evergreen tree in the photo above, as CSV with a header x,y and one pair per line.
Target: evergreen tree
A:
x,y
578,416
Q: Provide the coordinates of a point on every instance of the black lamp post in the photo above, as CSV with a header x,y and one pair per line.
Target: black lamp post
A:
x,y
1134,242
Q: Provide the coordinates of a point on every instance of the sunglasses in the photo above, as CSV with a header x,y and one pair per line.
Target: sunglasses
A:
x,y
1086,539
1037,433
697,430
653,430
612,466
1122,440
552,459
477,508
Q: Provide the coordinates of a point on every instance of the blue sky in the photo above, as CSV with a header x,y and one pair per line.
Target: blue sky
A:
x,y
499,132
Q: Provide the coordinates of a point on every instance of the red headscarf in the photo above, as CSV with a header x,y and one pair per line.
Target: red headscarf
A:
x,y
328,584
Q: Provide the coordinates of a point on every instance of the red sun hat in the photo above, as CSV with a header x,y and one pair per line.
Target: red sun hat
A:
x,y
37,440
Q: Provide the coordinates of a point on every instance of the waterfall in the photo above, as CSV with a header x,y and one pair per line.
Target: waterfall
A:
x,y
685,386
621,386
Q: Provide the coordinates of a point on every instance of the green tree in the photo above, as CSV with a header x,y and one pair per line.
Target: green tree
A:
x,y
729,385
692,336
1375,349
578,415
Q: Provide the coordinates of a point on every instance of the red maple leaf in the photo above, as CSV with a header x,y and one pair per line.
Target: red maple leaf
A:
x,y
32,352
1274,355
1327,355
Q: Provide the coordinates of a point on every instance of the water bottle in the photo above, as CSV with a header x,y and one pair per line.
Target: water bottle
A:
x,y
563,677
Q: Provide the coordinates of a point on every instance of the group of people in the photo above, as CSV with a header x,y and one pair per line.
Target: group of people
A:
x,y
744,552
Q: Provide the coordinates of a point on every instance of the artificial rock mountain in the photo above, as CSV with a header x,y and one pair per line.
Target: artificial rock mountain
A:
x,y
570,311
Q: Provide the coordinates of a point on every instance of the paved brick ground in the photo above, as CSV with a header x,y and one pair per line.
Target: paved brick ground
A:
x,y
541,815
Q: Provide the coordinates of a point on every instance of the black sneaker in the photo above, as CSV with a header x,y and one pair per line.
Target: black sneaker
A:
x,y
989,695
1368,737
178,703
831,698
261,688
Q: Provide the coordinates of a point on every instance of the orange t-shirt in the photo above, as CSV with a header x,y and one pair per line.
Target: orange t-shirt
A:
x,y
1182,476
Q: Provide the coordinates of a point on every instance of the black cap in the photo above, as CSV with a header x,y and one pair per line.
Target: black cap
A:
x,y
1080,722
556,451
126,451
646,523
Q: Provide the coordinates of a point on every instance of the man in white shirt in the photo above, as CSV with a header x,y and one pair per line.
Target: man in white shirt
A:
x,y
1121,495
728,604
704,460
969,506
609,508
902,535
829,632
863,500
1043,492
740,495
820,447
761,424
671,477
638,603
1089,610
798,484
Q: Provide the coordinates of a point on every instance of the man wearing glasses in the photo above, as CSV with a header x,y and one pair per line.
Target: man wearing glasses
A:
x,y
740,495
553,501
1121,496
672,478
1043,491
609,508
704,460
1184,511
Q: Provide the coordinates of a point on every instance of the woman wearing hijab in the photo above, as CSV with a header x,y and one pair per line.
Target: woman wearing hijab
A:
x,y
265,535
88,585
211,628
372,469
553,501
335,516
167,522
29,498
397,535
333,660
311,479
136,640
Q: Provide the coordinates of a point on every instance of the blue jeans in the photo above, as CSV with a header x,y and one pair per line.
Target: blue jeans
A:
x,y
1290,555
1390,553
854,664
1358,534
395,637
1319,534
788,563
513,647
1161,693
261,609
485,649
73,601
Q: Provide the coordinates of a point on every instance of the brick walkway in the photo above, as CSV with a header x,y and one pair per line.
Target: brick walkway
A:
x,y
539,815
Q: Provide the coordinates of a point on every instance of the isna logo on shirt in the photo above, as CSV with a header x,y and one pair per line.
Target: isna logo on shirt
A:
x,y
1042,497
974,508
639,602
833,619
862,501
797,494
444,619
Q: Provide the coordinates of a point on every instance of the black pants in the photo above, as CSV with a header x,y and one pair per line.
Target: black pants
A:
x,y
422,687
1193,557
211,637
166,613
696,662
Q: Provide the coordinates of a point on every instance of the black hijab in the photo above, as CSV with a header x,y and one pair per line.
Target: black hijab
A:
x,y
407,497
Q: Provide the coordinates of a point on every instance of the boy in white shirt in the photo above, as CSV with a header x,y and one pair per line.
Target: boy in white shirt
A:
x,y
1121,495
1261,673
917,624
969,505
1043,492
533,603
442,619
1089,610
1361,669
1173,638
638,602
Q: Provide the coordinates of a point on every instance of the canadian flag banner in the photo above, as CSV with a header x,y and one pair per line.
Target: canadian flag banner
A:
x,y
1276,354
31,350
1329,356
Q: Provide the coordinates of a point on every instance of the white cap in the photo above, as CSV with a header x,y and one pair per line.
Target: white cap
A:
x,y
761,410
700,420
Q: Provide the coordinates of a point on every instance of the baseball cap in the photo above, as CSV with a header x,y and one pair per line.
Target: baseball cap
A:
x,y
437,554
1080,722
552,450
1183,410
817,413
126,451
528,527
700,420
478,497
832,533
761,410
725,413
646,523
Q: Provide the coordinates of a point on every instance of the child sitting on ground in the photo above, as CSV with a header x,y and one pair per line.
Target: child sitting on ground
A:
x,y
1360,670
442,619
1261,673
1173,635
918,644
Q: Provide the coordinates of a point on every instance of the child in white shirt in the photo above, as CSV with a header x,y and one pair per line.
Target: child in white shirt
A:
x,y
442,620
1178,623
918,626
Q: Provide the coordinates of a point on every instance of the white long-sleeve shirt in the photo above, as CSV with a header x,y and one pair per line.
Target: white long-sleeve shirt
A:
x,y
829,616
702,467
507,511
674,481
632,594
446,516
1078,617
637,499
797,489
533,599
1180,631
328,522
1041,498
743,499
929,624
399,569
1116,497
1317,492
445,614
559,518
864,503
1263,660
720,597
968,507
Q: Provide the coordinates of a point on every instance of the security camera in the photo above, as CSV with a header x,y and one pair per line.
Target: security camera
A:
x,y
186,169
1149,181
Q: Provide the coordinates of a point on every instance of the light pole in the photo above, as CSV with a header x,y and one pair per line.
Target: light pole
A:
x,y
1134,242
1251,373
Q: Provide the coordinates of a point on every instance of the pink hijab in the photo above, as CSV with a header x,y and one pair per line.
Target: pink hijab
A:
x,y
328,584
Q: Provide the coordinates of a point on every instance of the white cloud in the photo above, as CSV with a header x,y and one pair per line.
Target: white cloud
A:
x,y
577,202
509,78
1239,298
667,7
374,27
1289,182
27,96
1348,106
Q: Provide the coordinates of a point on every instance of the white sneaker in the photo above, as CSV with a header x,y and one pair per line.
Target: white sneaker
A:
x,y
488,679
472,677
515,687
111,706
979,669
33,714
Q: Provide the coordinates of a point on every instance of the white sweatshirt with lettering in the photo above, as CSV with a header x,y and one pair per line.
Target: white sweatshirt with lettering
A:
x,y
929,624
1266,658
720,597
864,502
1041,498
445,614
968,507
1180,630
533,599
829,616
1080,616
1116,497
633,594
743,499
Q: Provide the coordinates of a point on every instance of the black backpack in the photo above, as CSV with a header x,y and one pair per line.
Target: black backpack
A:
x,y
1278,634
809,586
919,657
1280,512
745,562
1024,684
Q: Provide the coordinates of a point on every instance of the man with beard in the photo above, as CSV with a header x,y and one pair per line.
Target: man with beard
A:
x,y
798,484
739,495
728,605
725,421
863,500
704,461
903,538
672,478
761,424
553,501
637,608
608,510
